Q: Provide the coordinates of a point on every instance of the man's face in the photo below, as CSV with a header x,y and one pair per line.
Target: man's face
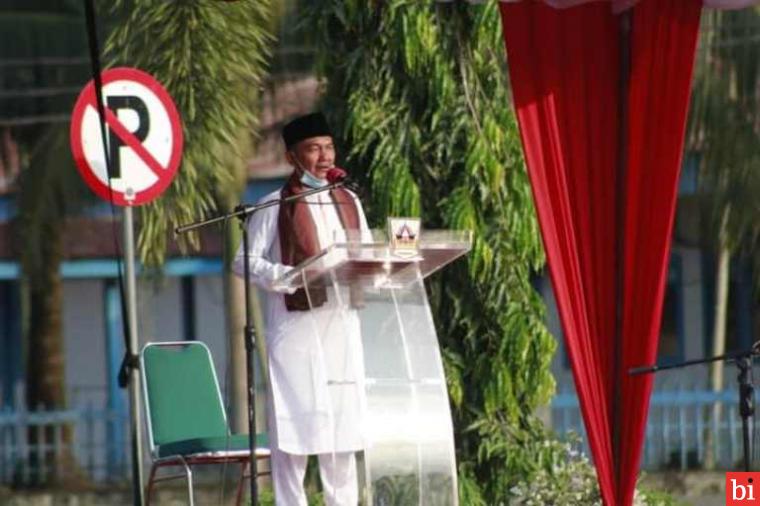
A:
x,y
315,155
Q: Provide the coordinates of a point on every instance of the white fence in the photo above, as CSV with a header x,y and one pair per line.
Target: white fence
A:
x,y
678,422
39,446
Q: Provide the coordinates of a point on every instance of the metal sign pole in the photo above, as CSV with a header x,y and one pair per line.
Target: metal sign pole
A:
x,y
134,380
132,189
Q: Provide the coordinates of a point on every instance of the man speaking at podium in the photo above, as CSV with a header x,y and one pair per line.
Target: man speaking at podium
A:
x,y
316,395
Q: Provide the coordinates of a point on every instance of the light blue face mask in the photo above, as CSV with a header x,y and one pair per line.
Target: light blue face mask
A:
x,y
312,181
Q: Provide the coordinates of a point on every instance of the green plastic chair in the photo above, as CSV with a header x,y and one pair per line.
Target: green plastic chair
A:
x,y
187,424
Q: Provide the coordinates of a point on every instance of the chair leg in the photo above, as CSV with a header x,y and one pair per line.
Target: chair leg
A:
x,y
189,474
243,467
149,486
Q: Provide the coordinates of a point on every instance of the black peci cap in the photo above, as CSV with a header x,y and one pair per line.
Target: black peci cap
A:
x,y
304,127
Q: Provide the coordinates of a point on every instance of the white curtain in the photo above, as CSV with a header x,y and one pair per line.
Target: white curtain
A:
x,y
620,5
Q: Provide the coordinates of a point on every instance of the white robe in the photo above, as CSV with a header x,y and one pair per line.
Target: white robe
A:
x,y
316,363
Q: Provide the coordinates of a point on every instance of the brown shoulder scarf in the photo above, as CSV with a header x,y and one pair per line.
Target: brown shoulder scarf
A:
x,y
299,239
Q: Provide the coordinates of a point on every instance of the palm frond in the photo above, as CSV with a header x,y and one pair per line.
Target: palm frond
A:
x,y
211,57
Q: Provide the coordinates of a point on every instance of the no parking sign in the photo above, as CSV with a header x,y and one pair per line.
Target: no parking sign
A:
x,y
144,137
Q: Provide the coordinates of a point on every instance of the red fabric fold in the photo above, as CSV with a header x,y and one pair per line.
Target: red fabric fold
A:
x,y
567,111
664,38
564,69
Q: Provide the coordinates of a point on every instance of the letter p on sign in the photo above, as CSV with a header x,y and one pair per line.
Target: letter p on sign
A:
x,y
742,489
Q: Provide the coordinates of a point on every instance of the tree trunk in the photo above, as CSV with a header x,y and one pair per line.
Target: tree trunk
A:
x,y
45,371
45,361
235,325
722,277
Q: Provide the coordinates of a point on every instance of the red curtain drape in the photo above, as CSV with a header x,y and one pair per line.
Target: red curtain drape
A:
x,y
599,232
663,45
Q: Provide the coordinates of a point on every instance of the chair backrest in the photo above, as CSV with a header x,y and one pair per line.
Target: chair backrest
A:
x,y
182,397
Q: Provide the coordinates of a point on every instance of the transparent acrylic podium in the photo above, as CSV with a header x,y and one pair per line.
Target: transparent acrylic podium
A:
x,y
376,302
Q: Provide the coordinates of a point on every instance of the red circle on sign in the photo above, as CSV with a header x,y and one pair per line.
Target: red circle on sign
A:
x,y
165,174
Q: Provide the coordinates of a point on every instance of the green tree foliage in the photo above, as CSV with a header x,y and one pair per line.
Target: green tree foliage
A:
x,y
725,125
49,188
40,42
724,128
211,56
49,191
420,92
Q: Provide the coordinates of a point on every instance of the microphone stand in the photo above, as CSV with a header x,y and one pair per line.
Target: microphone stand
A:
x,y
743,360
242,212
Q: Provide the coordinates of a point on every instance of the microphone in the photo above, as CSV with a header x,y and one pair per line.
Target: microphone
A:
x,y
336,175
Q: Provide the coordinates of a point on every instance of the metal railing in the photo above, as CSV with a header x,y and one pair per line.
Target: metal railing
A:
x,y
683,428
41,446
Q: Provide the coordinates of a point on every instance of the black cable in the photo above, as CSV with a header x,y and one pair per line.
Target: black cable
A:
x,y
130,358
